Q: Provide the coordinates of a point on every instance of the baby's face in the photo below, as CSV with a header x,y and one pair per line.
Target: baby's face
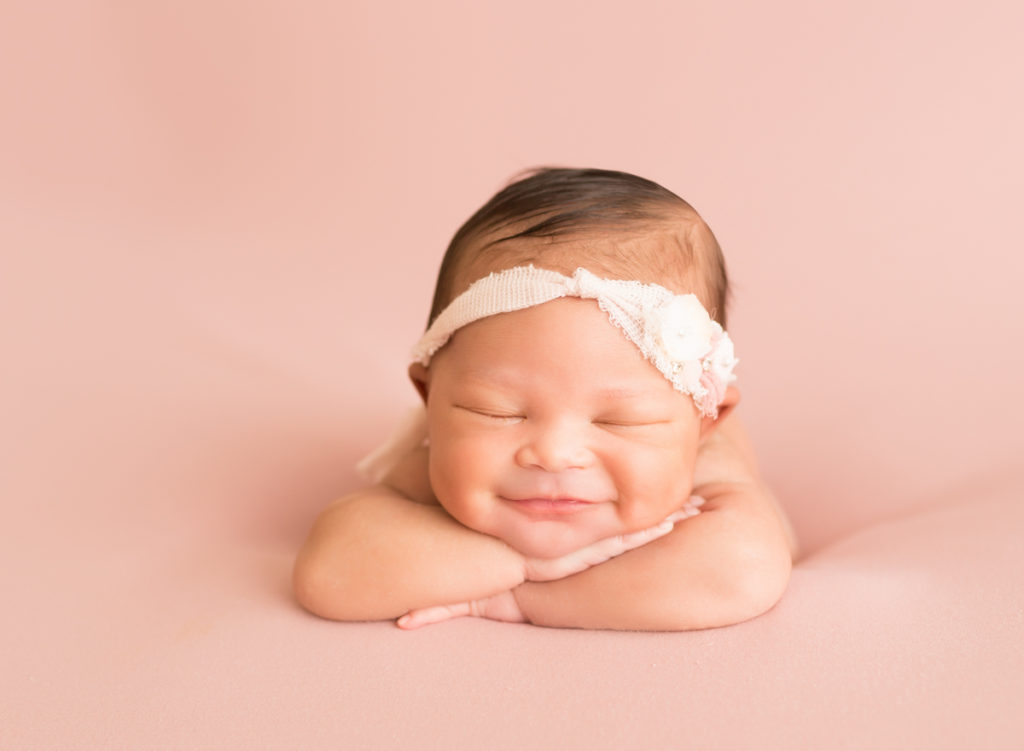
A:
x,y
550,431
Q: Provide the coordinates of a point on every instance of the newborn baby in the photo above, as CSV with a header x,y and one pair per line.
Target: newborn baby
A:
x,y
578,461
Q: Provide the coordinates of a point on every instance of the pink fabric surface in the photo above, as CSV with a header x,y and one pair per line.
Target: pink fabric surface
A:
x,y
219,228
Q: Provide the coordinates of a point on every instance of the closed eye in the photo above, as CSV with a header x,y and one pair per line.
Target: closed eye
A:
x,y
630,423
491,414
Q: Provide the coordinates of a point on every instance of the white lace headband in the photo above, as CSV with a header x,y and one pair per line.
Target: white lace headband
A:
x,y
674,332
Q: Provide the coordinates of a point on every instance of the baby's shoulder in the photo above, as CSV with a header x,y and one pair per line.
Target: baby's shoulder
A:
x,y
410,477
726,455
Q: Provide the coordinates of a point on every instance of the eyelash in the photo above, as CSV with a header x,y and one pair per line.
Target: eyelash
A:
x,y
599,423
492,415
614,424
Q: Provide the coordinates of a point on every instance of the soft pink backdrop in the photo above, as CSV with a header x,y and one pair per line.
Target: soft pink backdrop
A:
x,y
219,227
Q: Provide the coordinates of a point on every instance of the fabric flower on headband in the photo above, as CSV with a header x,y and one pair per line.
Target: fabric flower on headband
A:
x,y
673,332
682,328
690,348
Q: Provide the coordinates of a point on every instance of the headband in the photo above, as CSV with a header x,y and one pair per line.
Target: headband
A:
x,y
673,332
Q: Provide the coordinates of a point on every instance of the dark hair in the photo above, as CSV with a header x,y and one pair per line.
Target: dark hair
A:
x,y
556,201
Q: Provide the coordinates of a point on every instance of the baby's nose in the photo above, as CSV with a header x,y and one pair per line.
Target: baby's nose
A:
x,y
555,448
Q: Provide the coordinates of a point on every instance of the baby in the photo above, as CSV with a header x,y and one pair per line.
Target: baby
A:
x,y
579,462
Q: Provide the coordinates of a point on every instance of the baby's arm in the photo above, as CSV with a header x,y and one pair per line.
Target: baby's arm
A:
x,y
728,564
388,549
392,549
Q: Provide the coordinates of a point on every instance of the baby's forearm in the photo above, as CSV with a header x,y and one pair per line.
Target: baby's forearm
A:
x,y
728,564
376,555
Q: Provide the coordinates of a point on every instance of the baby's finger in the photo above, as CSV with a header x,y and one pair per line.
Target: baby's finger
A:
x,y
426,616
689,509
594,554
644,536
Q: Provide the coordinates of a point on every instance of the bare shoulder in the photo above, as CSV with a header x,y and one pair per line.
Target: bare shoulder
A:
x,y
726,455
405,488
410,478
726,461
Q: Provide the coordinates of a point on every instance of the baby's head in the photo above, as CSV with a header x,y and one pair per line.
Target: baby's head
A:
x,y
614,224
572,367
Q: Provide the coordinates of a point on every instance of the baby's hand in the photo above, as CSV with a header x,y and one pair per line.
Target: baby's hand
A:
x,y
503,606
499,607
549,569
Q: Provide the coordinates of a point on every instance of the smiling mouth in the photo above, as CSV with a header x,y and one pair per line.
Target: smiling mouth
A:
x,y
548,506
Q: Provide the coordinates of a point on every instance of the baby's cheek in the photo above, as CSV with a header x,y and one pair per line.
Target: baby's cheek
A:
x,y
453,486
442,481
653,503
639,513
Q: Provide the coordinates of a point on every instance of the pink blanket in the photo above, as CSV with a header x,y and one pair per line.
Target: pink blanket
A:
x,y
218,233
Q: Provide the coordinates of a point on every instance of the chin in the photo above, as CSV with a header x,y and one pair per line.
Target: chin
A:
x,y
546,546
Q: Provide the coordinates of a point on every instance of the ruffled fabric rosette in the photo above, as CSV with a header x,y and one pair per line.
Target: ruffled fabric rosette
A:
x,y
690,349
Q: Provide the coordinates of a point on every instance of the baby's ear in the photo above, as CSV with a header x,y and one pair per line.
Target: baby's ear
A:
x,y
732,398
420,377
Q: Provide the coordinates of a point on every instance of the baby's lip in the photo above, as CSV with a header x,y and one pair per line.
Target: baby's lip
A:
x,y
549,505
